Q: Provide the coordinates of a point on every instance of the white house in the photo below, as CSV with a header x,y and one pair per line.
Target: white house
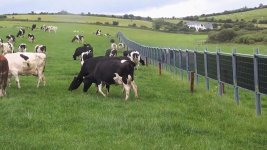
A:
x,y
199,25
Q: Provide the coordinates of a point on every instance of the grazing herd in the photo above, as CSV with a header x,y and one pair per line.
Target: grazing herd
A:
x,y
103,71
14,63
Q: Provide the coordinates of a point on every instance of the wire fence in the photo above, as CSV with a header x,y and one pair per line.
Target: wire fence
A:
x,y
240,70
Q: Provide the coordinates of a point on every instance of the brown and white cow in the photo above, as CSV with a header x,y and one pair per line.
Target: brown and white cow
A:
x,y
26,64
3,75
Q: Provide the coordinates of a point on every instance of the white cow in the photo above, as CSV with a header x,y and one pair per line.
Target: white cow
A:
x,y
51,28
26,64
6,48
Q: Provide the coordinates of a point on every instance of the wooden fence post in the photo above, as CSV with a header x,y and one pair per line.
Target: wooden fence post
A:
x,y
159,68
192,79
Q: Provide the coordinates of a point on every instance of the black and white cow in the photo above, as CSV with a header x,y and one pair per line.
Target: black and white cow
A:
x,y
134,56
78,38
51,29
111,53
33,26
40,49
106,70
86,55
31,37
98,32
11,38
80,50
22,47
43,27
6,48
121,46
21,33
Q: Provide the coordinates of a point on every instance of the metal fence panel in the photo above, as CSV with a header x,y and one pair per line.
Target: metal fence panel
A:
x,y
212,66
171,57
184,60
226,69
176,58
158,55
245,72
262,68
200,63
191,61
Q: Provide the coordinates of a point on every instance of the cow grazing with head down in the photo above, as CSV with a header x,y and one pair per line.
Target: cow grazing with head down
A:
x,y
80,50
6,48
40,49
31,37
26,64
21,32
33,26
78,38
106,70
22,47
3,75
11,38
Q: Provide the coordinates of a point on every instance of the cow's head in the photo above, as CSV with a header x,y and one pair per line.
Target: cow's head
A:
x,y
75,84
88,47
134,56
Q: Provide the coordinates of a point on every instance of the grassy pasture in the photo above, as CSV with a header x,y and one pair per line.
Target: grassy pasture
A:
x,y
188,41
82,19
259,14
166,116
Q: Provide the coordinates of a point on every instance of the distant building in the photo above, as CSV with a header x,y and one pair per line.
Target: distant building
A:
x,y
200,25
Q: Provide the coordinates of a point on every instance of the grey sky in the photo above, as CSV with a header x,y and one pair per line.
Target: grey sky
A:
x,y
153,8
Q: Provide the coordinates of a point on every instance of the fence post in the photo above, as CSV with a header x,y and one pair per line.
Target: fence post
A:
x,y
180,64
155,58
192,74
174,61
256,82
236,89
150,55
195,60
206,69
187,64
159,68
170,65
220,89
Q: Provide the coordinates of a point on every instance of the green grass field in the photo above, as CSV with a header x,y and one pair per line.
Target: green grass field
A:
x,y
166,115
82,19
259,14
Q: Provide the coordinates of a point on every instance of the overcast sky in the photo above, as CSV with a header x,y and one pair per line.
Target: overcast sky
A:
x,y
152,8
